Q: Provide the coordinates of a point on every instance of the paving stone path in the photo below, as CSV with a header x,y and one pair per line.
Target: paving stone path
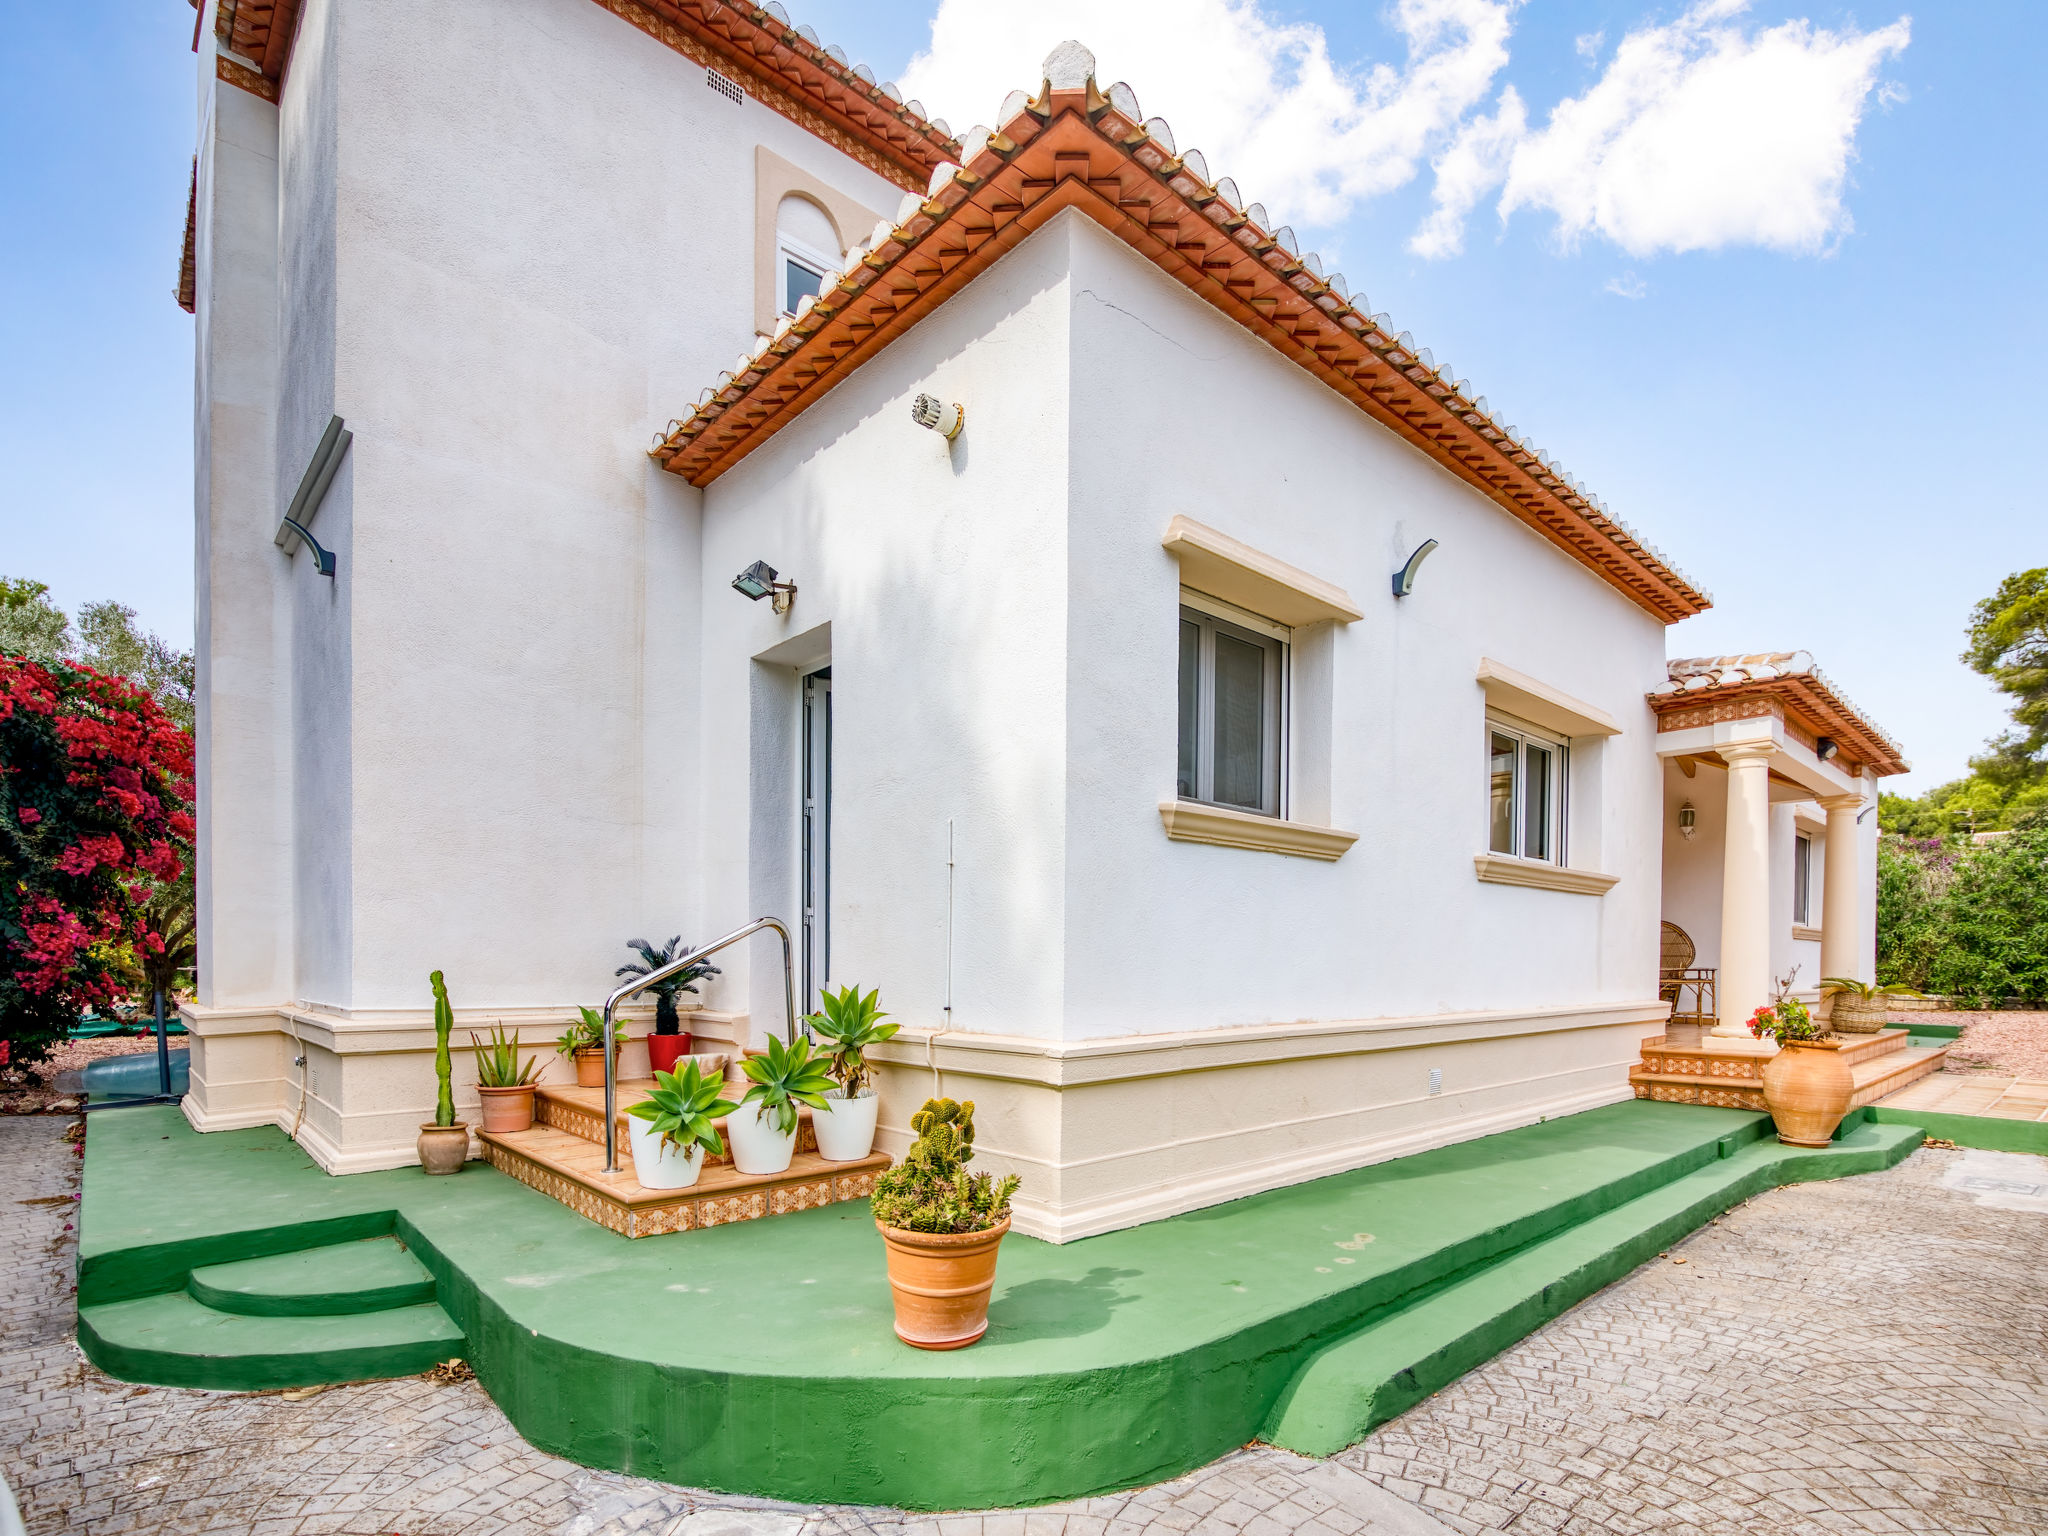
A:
x,y
1865,1355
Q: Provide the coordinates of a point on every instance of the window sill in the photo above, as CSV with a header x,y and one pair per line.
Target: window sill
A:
x,y
1190,822
1499,869
1801,931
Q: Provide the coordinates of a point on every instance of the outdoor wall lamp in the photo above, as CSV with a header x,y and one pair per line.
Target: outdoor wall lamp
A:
x,y
946,420
1827,748
758,581
323,559
1688,820
1404,578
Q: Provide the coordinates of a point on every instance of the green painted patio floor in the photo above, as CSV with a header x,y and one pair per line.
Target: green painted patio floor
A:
x,y
759,1358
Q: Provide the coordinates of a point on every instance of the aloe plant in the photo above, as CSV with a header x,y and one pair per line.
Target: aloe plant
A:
x,y
444,1025
849,1024
497,1062
682,1107
784,1077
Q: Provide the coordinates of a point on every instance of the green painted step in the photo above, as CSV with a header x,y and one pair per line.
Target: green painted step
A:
x,y
372,1274
173,1341
1384,1368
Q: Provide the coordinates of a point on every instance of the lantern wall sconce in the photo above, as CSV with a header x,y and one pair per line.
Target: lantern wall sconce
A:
x,y
1688,820
1827,749
758,581
939,416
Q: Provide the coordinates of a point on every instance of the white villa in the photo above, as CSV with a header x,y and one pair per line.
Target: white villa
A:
x,y
1112,724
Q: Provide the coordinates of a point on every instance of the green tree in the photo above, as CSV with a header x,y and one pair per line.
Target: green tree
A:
x,y
30,624
2009,644
109,642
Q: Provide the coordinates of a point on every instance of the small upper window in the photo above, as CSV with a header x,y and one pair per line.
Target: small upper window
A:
x,y
1525,801
1231,682
1802,880
807,251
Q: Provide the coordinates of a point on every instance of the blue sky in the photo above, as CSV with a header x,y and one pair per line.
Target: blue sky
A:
x,y
1835,439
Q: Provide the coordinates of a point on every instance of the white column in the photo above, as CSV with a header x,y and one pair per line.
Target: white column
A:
x,y
1841,891
1744,983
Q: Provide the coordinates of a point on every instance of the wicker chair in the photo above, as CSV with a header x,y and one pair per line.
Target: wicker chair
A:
x,y
1677,976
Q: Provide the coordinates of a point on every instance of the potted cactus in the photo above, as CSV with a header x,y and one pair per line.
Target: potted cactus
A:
x,y
847,1024
583,1043
1859,1007
670,1042
941,1227
671,1129
763,1128
504,1083
444,1141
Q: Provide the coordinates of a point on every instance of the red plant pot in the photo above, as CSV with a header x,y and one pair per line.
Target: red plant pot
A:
x,y
664,1051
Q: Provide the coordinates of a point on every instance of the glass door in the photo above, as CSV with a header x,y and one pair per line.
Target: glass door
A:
x,y
817,838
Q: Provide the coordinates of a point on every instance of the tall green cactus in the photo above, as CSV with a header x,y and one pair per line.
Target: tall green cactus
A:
x,y
444,1023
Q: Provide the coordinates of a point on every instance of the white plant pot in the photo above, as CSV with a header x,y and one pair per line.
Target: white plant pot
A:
x,y
657,1166
757,1145
846,1127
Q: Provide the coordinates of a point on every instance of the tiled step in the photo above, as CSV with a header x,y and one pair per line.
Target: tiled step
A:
x,y
580,1112
570,1168
372,1275
174,1341
1880,1064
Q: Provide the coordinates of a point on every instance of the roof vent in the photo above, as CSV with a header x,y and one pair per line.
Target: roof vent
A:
x,y
729,89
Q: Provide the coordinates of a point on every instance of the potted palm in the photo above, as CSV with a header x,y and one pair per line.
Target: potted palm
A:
x,y
503,1081
763,1128
1807,1085
941,1227
443,1145
671,1129
1859,1006
583,1043
847,1023
670,1042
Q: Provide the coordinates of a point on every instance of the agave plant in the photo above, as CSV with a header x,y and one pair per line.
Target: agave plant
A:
x,y
784,1077
666,1021
1868,992
849,1023
587,1033
497,1061
682,1107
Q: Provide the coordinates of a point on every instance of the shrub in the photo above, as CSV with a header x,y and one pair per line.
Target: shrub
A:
x,y
1967,921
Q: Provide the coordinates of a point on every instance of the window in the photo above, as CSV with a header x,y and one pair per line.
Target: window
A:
x,y
1526,792
806,252
1232,675
1802,880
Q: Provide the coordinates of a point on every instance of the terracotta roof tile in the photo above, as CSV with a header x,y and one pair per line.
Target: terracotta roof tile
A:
x,y
1074,146
1796,683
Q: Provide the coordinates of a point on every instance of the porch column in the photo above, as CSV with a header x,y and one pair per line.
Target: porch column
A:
x,y
1744,983
1841,889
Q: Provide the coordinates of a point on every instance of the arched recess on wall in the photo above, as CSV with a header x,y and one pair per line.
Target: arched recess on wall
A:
x,y
797,216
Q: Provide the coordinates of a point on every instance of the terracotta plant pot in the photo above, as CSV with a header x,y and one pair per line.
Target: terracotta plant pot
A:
x,y
590,1064
1851,1015
507,1109
942,1281
1806,1088
664,1051
444,1148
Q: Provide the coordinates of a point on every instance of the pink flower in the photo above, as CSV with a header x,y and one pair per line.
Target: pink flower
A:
x,y
29,815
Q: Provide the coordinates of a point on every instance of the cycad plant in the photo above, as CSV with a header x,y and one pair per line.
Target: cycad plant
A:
x,y
784,1077
682,1107
666,1020
497,1060
931,1189
848,1023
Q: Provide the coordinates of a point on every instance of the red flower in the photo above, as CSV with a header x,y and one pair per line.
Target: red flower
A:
x,y
29,815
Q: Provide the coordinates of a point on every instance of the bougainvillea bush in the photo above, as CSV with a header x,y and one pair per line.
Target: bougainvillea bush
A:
x,y
95,821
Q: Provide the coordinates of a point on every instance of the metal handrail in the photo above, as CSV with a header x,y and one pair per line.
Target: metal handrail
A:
x,y
662,973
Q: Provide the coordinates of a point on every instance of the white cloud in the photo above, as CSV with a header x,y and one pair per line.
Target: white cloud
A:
x,y
1627,286
1471,167
1261,98
1700,135
1588,44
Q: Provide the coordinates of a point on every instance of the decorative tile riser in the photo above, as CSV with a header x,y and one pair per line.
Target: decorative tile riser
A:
x,y
688,1212
1719,1098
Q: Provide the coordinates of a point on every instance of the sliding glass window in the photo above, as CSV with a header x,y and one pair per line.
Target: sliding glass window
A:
x,y
1232,678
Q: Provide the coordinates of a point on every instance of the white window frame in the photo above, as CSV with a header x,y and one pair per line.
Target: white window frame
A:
x,y
1276,640
1802,880
1558,814
788,250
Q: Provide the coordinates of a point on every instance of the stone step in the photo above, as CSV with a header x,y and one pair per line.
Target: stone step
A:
x,y
570,1168
373,1274
1879,1064
580,1113
173,1340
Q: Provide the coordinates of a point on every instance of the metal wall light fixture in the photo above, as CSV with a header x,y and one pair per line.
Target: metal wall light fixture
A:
x,y
1404,578
1688,820
323,559
946,420
1827,749
758,581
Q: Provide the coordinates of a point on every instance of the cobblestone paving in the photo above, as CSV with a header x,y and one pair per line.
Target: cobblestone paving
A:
x,y
1870,1355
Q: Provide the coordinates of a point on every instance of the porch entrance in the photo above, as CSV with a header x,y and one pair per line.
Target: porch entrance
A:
x,y
817,835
